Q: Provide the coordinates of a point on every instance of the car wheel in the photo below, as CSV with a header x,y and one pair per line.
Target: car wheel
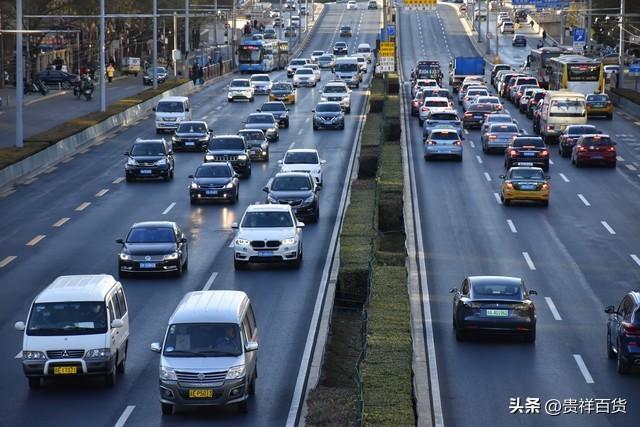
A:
x,y
247,173
110,378
239,265
251,99
545,203
341,127
530,336
420,122
185,267
171,174
129,178
34,382
348,109
193,201
266,158
180,269
228,100
610,353
506,202
167,408
609,116
286,124
122,365
484,149
315,127
238,191
621,365
460,334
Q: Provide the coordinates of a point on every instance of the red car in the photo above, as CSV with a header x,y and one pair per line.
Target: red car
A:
x,y
594,148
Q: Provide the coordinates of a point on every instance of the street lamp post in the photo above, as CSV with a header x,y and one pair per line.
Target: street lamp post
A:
x,y
154,49
620,75
103,86
19,77
186,27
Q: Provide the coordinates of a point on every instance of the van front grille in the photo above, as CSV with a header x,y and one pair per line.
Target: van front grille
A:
x,y
211,379
65,354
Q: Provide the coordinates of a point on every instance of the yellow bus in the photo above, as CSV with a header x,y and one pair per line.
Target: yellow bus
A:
x,y
576,73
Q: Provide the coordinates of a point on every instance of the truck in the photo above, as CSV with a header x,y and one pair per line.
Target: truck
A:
x,y
464,66
130,65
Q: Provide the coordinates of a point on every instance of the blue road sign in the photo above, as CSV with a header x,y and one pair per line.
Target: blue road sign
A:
x,y
579,35
634,69
391,30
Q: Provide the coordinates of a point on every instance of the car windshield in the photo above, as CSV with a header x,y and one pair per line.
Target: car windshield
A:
x,y
267,219
260,79
170,107
328,108
202,340
260,118
444,135
307,158
191,128
291,183
364,50
443,116
581,130
241,83
317,53
597,98
535,142
497,118
335,89
325,58
252,134
477,92
214,171
596,140
347,67
282,87
341,44
298,62
345,28
151,235
67,318
488,291
148,149
567,108
304,71
226,144
159,70
504,128
526,174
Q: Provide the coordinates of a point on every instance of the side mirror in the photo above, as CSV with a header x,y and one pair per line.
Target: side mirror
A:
x,y
120,241
259,110
521,131
210,131
609,310
234,225
117,323
300,224
265,189
313,111
170,153
155,347
502,176
532,292
191,176
19,326
322,162
153,109
280,162
126,153
186,109
250,346
183,240
453,291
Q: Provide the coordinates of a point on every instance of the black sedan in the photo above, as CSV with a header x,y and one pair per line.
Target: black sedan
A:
x,y
160,72
340,49
298,190
623,332
257,143
527,151
279,111
345,31
153,247
214,181
494,305
328,115
55,77
192,135
519,40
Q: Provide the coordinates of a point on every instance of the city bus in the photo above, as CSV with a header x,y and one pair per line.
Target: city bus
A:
x,y
576,73
255,56
539,63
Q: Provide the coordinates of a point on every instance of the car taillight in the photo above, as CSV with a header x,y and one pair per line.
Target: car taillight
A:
x,y
544,153
612,148
509,185
581,148
431,142
525,309
545,186
630,329
493,137
468,114
457,143
513,153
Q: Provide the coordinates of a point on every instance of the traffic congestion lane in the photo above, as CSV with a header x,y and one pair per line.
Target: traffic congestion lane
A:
x,y
545,278
152,308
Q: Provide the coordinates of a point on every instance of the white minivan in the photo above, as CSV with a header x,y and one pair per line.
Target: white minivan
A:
x,y
209,353
78,325
559,110
170,111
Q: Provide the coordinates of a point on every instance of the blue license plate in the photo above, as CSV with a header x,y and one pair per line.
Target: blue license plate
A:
x,y
529,154
190,143
212,192
147,265
528,187
597,157
478,116
265,253
145,172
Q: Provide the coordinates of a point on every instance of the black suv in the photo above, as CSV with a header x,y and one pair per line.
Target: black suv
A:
x,y
214,181
279,111
192,135
623,332
149,158
527,151
298,190
232,149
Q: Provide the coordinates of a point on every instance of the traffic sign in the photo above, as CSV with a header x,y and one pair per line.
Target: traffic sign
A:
x,y
391,31
579,38
420,4
387,64
634,70
387,49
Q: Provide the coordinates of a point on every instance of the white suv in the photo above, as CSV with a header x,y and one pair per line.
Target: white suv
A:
x,y
268,233
303,160
240,89
337,91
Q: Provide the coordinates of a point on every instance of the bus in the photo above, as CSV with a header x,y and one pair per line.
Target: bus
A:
x,y
255,56
279,51
539,64
576,73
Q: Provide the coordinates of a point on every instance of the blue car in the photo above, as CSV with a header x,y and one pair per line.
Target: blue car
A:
x,y
623,332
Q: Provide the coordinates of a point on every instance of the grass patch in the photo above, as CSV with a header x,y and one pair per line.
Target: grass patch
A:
x,y
390,170
11,155
372,130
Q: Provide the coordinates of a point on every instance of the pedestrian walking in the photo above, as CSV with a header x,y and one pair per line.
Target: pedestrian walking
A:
x,y
544,35
110,72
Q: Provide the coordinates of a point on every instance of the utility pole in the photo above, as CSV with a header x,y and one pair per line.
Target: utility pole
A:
x,y
103,86
233,34
19,77
186,27
589,21
487,32
620,75
215,25
477,17
1,53
306,17
154,50
563,24
175,45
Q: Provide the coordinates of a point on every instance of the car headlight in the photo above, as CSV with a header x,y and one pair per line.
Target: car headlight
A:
x,y
229,185
323,98
308,200
209,157
161,162
290,241
271,130
33,355
194,185
124,257
131,162
203,138
167,373
235,372
289,70
270,199
242,157
174,138
98,353
242,242
171,256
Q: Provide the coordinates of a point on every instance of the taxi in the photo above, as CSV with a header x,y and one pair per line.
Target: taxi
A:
x,y
526,184
599,104
283,91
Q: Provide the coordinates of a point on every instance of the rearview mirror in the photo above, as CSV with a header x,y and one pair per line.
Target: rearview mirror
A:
x,y
120,241
609,310
155,347
191,176
251,346
280,162
19,326
126,153
234,225
183,240
259,110
300,224
265,189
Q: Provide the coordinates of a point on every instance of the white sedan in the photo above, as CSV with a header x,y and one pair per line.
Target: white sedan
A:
x,y
303,160
352,5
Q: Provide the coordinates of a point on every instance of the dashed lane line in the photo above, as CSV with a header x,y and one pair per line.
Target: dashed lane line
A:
x,y
125,416
487,176
83,206
635,259
583,369
564,177
497,197
36,240
207,285
7,260
552,307
512,226
118,180
166,211
60,222
479,159
631,167
527,258
584,200
102,192
608,227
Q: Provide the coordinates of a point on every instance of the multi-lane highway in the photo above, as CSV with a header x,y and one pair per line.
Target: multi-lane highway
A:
x,y
579,254
66,221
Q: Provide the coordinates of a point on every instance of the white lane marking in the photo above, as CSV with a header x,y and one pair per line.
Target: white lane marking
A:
x,y
552,307
583,369
512,226
51,169
36,240
7,260
61,222
564,177
300,131
635,258
497,196
307,119
19,355
291,145
205,117
118,180
102,192
472,144
219,107
7,192
608,227
584,200
631,167
479,159
68,159
551,162
527,258
166,211
83,206
207,285
231,245
466,132
487,176
620,158
125,416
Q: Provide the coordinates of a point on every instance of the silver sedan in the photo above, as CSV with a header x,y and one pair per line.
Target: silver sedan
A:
x,y
443,143
499,136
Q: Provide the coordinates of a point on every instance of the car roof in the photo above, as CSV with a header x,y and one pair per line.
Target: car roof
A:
x,y
299,174
167,224
174,99
89,287
436,98
261,207
191,122
210,307
149,141
482,280
326,102
302,150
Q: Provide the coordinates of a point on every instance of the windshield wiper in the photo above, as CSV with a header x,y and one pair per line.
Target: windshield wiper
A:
x,y
221,352
192,353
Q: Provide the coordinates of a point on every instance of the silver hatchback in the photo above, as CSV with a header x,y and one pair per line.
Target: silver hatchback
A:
x,y
499,136
443,142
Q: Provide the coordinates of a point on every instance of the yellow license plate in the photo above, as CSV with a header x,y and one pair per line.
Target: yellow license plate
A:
x,y
65,370
201,394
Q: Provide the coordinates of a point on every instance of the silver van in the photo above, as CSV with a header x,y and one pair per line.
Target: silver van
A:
x,y
209,353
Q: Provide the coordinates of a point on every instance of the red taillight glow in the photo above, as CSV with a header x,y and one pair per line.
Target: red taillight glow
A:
x,y
513,153
612,148
544,153
630,329
493,137
457,142
468,114
431,142
581,148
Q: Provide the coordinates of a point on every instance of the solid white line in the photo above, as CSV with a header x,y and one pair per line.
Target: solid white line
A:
x,y
552,307
635,258
564,177
527,258
479,159
83,206
68,159
125,415
497,196
36,240
207,285
61,222
102,192
512,226
608,227
118,180
584,200
166,211
472,144
7,260
631,167
583,369
19,355
487,176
